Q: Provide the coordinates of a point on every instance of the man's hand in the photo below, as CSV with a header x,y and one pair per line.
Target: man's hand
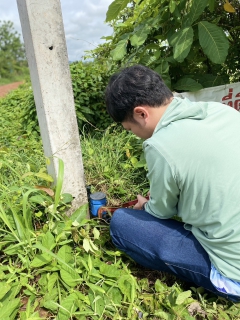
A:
x,y
141,201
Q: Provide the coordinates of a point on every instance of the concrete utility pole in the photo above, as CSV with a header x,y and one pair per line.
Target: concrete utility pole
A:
x,y
45,45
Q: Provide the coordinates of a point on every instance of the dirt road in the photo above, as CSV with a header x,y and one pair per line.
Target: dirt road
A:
x,y
8,87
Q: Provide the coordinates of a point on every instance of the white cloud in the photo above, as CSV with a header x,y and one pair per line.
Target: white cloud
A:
x,y
83,23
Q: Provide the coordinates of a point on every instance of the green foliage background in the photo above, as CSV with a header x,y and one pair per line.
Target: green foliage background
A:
x,y
89,81
13,64
192,44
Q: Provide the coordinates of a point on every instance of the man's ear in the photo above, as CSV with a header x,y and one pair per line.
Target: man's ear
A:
x,y
140,113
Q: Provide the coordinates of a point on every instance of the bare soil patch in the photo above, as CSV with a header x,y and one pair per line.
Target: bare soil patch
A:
x,y
5,89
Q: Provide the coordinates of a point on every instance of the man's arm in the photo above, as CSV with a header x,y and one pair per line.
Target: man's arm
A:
x,y
164,191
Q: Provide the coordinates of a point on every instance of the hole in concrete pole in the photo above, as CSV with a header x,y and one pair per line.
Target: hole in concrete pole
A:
x,y
50,48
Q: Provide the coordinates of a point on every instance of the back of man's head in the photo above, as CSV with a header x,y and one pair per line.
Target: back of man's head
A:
x,y
134,86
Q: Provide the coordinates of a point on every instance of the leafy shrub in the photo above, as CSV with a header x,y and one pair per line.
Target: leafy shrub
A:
x,y
89,81
20,106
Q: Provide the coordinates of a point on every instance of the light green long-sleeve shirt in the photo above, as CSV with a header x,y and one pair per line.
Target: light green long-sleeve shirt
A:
x,y
193,160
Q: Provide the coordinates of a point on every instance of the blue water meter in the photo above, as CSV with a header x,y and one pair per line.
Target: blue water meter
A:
x,y
97,200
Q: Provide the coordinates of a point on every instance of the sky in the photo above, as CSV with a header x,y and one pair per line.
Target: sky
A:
x,y
83,23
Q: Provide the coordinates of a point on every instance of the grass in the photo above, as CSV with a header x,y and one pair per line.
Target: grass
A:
x,y
4,81
16,77
58,267
114,164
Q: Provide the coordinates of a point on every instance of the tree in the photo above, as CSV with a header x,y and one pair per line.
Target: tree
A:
x,y
12,54
191,43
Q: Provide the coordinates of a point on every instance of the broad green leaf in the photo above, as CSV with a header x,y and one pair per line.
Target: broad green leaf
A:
x,y
64,264
65,254
50,304
15,289
68,307
93,246
209,80
70,278
40,260
183,296
110,271
81,116
120,50
37,199
48,299
89,245
148,59
181,42
195,11
66,198
187,84
48,241
115,8
160,286
97,303
213,41
95,288
115,295
4,288
83,263
125,285
80,214
86,245
211,4
134,160
172,6
96,233
140,35
52,280
9,308
162,68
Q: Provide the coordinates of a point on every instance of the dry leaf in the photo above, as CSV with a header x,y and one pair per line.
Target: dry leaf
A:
x,y
228,7
47,190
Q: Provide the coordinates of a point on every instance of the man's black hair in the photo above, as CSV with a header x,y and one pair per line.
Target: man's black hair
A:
x,y
134,86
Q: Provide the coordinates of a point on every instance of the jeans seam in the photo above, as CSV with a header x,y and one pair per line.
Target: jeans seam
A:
x,y
169,264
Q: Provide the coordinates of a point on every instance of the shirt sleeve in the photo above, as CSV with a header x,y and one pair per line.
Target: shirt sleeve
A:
x,y
164,191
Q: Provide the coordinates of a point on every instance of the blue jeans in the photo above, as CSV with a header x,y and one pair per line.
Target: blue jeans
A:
x,y
162,244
